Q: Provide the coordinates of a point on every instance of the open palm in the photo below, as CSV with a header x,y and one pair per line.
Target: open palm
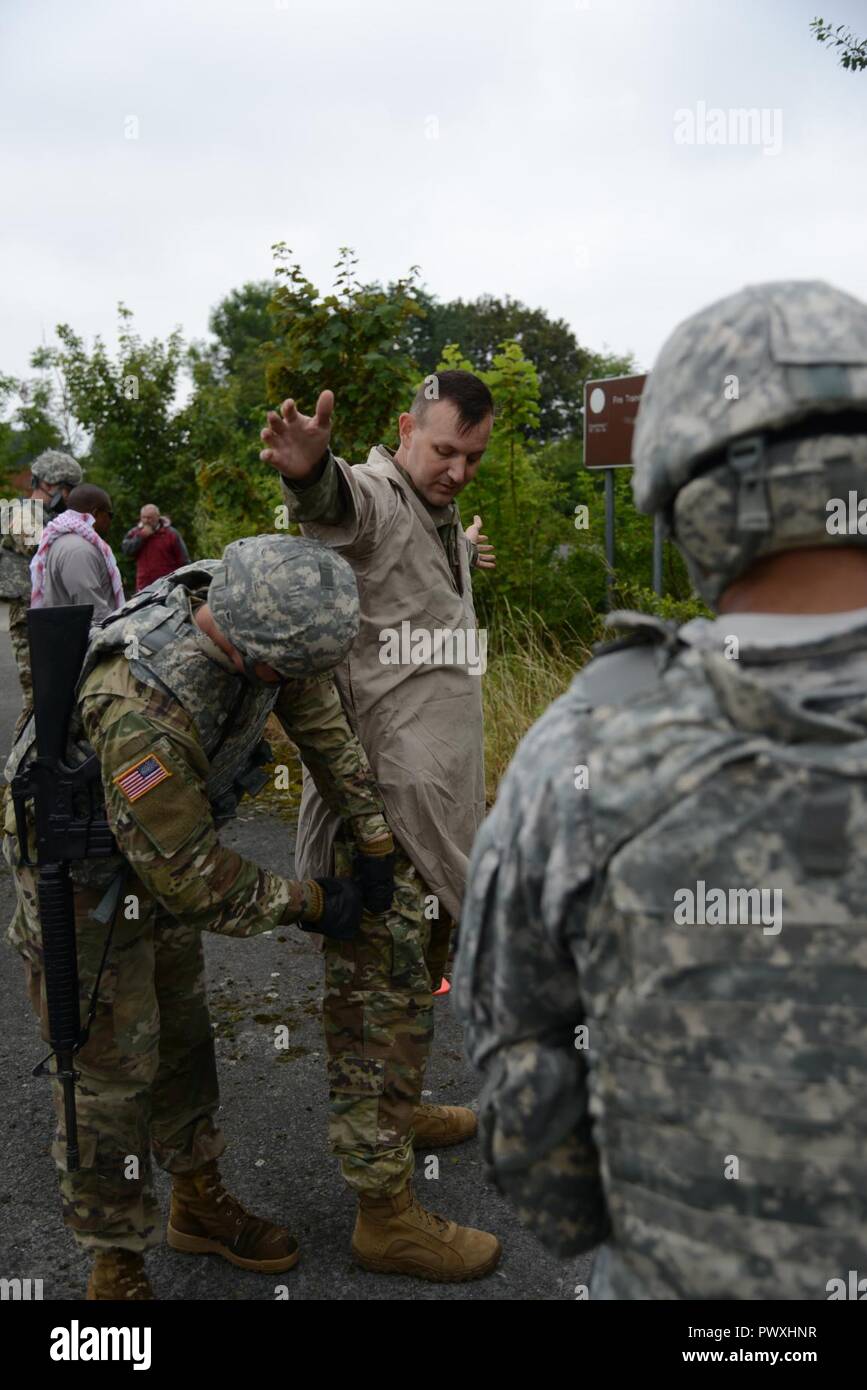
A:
x,y
295,442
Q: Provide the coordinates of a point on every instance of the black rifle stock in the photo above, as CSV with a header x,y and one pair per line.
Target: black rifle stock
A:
x,y
69,825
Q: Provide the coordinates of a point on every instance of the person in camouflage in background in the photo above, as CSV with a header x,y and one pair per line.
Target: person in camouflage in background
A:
x,y
663,961
175,690
53,476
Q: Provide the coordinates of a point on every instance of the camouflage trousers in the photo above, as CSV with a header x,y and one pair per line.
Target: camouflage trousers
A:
x,y
18,609
379,1023
148,1075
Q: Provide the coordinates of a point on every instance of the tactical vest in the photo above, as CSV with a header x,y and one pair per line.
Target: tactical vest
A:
x,y
15,556
156,632
727,1056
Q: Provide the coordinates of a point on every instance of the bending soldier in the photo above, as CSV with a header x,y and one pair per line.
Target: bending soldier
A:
x,y
175,691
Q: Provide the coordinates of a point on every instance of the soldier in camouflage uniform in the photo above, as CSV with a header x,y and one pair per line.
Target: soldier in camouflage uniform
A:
x,y
175,691
53,476
663,961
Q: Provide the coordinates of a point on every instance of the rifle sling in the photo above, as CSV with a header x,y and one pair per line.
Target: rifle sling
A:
x,y
104,912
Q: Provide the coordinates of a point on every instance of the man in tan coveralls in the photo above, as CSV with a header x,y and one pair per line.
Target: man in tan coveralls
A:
x,y
411,689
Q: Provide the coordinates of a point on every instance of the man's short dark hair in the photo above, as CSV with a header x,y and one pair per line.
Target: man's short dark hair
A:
x,y
471,396
87,497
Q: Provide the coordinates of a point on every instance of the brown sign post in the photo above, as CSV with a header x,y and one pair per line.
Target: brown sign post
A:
x,y
610,409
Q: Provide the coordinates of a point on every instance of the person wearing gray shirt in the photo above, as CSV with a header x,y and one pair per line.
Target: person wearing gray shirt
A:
x,y
77,569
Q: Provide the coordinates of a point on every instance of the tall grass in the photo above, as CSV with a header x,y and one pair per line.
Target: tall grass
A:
x,y
528,667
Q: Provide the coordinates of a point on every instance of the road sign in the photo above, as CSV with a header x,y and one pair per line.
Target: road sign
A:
x,y
610,408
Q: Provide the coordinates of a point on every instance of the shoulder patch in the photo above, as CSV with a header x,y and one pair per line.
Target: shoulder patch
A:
x,y
142,777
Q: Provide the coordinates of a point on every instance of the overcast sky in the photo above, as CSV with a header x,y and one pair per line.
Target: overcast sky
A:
x,y
529,148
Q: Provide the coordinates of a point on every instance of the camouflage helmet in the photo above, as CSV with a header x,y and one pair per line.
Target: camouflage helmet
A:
x,y
754,417
53,467
286,601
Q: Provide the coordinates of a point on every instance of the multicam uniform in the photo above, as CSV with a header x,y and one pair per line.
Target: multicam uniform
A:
x,y
15,590
56,473
687,1083
178,735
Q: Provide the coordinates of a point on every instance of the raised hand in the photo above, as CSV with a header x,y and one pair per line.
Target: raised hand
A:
x,y
487,559
296,442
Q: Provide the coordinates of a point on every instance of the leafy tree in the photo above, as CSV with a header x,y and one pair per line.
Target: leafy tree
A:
x,y
241,324
126,404
481,325
31,425
237,493
854,55
354,340
516,501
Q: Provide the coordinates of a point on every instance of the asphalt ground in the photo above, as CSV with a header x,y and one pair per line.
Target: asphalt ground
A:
x,y
274,1113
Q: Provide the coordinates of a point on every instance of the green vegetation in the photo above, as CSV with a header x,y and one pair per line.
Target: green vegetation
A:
x,y
178,424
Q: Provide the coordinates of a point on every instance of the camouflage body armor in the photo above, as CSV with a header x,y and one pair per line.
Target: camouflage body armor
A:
x,y
726,1061
162,644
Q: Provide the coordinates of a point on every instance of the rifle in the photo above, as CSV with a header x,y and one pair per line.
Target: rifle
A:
x,y
70,825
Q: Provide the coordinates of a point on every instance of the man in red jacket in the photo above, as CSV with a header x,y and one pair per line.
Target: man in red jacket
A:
x,y
156,545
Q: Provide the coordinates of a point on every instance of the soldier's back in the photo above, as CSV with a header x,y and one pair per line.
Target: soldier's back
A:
x,y
723,964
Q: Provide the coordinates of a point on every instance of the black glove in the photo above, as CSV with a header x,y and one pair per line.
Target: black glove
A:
x,y
341,915
374,875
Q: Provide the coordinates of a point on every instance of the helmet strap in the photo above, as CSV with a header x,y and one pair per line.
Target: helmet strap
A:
x,y
746,457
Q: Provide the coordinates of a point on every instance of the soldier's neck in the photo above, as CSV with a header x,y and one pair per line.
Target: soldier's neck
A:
x,y
813,580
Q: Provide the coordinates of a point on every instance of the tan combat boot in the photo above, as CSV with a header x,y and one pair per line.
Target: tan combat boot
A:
x,y
395,1235
207,1220
439,1126
118,1275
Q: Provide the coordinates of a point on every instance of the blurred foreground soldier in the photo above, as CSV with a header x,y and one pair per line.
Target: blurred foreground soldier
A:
x,y
74,564
53,476
419,719
175,691
662,967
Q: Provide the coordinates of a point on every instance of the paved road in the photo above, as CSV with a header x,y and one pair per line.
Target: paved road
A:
x,y
274,1114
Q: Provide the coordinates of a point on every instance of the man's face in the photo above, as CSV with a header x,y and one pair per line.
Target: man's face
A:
x,y
438,457
149,516
102,520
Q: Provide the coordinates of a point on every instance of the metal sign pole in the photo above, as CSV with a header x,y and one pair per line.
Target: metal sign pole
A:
x,y
658,542
610,409
609,536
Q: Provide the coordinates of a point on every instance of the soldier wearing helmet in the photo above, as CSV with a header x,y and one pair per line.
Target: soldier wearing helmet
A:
x,y
662,965
175,692
53,475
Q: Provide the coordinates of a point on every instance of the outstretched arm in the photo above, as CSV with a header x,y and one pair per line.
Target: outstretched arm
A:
x,y
320,491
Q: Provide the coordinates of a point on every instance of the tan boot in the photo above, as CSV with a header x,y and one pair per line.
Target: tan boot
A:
x,y
118,1275
395,1235
207,1220
439,1126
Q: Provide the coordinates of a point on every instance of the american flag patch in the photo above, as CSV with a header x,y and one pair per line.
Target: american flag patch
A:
x,y
142,777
